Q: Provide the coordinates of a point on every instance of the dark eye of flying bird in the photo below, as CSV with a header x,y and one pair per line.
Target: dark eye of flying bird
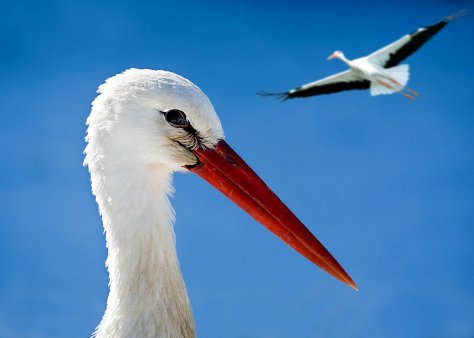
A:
x,y
176,118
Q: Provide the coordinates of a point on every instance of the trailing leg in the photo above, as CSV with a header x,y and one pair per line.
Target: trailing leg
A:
x,y
382,83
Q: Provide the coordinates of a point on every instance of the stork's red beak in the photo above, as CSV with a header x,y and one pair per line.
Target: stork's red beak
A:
x,y
223,168
332,56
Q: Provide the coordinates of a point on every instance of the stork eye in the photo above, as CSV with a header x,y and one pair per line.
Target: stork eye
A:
x,y
176,118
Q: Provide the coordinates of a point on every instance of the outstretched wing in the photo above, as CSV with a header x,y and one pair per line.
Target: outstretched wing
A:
x,y
396,52
339,82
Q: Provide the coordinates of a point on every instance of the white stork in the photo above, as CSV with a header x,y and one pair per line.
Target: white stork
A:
x,y
378,71
145,125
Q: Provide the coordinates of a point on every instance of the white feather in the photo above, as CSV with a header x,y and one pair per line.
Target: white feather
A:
x,y
131,160
400,74
395,77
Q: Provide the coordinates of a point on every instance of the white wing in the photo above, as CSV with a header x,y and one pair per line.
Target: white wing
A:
x,y
346,80
381,56
391,55
346,76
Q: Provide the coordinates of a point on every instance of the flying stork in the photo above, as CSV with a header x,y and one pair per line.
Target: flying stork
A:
x,y
144,126
379,71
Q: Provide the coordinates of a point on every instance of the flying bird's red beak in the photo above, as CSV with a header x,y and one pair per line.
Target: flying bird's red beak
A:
x,y
223,168
332,56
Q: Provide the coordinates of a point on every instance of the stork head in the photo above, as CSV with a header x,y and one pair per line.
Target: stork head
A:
x,y
157,118
337,54
153,117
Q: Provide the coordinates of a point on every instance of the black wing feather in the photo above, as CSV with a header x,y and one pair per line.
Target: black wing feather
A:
x,y
281,96
328,89
418,39
319,90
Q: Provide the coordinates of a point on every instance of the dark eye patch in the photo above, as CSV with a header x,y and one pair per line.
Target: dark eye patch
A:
x,y
176,118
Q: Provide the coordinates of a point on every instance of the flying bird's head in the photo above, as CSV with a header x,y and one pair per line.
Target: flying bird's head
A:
x,y
337,54
147,122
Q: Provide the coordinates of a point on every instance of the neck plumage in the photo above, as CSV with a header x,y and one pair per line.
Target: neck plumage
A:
x,y
147,293
344,59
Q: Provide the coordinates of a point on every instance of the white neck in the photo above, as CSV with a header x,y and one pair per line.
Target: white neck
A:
x,y
147,293
344,59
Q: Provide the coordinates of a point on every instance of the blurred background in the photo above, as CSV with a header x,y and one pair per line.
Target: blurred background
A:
x,y
385,183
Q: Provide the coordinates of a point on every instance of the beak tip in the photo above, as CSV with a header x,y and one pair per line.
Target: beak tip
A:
x,y
223,168
349,282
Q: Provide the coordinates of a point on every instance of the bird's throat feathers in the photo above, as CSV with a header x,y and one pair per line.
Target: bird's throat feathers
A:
x,y
147,291
132,150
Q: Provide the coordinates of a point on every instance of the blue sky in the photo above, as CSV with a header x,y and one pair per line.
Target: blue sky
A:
x,y
386,184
